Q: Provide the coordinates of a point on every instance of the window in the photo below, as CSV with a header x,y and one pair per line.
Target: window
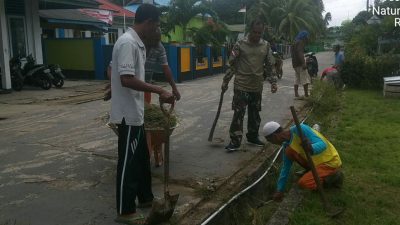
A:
x,y
83,34
112,37
200,53
48,33
17,30
216,53
95,34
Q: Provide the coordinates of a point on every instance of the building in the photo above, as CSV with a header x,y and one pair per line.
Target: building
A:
x,y
21,32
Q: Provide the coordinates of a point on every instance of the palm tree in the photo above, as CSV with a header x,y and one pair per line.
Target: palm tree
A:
x,y
260,10
328,18
320,5
296,15
182,11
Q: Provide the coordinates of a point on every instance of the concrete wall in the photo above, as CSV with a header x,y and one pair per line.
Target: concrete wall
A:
x,y
70,54
185,65
75,56
4,49
33,29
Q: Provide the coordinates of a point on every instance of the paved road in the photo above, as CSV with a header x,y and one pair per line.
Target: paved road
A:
x,y
58,161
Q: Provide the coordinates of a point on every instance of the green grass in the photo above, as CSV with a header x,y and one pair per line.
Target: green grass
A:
x,y
365,128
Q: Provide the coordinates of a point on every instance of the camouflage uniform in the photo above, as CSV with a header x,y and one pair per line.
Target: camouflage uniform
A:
x,y
250,74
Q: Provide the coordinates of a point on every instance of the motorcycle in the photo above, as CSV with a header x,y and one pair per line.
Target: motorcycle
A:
x,y
312,64
17,80
37,74
59,77
278,64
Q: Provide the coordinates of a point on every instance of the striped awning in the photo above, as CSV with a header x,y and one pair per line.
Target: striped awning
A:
x,y
67,18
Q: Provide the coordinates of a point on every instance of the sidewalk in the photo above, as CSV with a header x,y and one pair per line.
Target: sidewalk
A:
x,y
58,160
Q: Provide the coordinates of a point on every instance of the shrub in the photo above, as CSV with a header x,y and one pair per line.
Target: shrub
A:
x,y
326,101
363,68
324,97
363,71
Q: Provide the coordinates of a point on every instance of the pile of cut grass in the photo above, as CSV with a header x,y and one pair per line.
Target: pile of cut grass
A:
x,y
154,118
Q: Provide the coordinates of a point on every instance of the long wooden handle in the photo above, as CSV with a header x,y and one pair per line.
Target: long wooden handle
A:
x,y
309,159
221,99
166,163
167,130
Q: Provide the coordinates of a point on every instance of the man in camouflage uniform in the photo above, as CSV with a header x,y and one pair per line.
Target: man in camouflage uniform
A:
x,y
251,62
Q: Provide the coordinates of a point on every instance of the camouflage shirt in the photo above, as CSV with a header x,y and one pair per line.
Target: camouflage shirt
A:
x,y
251,64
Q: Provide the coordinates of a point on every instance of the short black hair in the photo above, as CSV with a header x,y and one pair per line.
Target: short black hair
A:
x,y
256,22
147,12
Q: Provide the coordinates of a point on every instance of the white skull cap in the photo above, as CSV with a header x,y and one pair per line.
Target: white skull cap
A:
x,y
270,128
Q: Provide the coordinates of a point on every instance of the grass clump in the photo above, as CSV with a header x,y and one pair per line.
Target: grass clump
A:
x,y
324,100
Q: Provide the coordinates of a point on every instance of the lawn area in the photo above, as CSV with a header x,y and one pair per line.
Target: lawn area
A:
x,y
366,131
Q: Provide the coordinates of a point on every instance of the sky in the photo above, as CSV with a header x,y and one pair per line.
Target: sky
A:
x,y
344,9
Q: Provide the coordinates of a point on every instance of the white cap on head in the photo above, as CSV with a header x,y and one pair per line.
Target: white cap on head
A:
x,y
270,127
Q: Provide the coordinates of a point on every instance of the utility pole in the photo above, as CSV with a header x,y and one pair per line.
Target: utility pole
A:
x,y
123,5
367,5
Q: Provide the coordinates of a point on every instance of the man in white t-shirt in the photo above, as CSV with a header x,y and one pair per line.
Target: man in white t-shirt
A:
x,y
127,111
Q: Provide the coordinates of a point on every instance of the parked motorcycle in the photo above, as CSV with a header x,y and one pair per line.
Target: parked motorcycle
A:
x,y
17,80
278,64
37,74
312,64
59,77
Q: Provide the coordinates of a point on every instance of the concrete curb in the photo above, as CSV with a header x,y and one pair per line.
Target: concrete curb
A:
x,y
239,180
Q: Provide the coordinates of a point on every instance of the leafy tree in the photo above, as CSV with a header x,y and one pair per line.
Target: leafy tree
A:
x,y
361,18
227,10
347,29
182,11
213,33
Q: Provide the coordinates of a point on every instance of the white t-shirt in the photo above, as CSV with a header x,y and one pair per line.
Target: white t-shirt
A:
x,y
128,58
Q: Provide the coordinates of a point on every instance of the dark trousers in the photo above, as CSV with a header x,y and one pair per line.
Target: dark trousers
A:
x,y
133,169
241,101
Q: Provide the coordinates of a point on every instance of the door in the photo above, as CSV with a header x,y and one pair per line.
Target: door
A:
x,y
18,38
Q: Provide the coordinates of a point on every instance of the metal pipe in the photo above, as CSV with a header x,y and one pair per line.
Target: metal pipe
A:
x,y
243,191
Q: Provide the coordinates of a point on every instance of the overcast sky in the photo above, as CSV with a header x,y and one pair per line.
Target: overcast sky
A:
x,y
344,9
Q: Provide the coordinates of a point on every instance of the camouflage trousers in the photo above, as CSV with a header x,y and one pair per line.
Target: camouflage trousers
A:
x,y
241,101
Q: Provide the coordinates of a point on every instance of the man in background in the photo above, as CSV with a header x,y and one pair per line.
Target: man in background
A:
x,y
299,64
251,63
